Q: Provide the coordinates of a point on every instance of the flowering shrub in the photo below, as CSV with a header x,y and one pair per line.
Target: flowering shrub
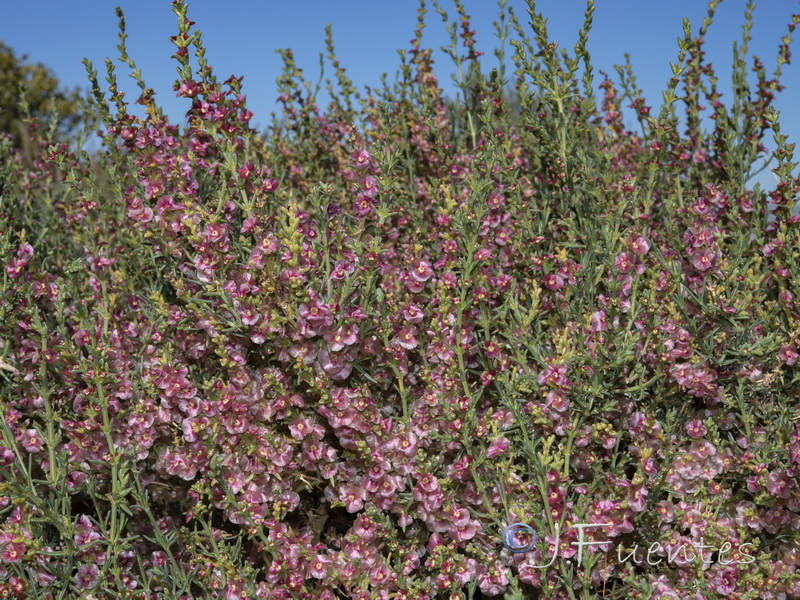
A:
x,y
337,359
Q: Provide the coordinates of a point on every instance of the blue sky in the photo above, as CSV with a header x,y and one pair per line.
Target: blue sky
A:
x,y
242,37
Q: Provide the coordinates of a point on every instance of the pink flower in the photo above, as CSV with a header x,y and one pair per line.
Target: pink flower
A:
x,y
342,337
557,401
16,585
725,583
457,171
32,441
283,453
696,429
187,89
153,190
87,576
699,155
215,234
427,483
318,567
466,570
341,270
249,223
15,265
666,511
598,322
502,236
683,373
369,186
449,280
248,314
353,497
553,281
702,236
483,254
624,262
413,314
554,375
703,260
701,207
300,428
246,170
176,463
362,205
493,582
408,445
422,271
362,159
82,337
12,552
788,354
497,447
406,337
640,245
463,533
387,487
139,212
779,484
337,366
25,252
316,314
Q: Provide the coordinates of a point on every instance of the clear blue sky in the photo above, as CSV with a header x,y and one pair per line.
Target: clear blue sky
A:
x,y
241,37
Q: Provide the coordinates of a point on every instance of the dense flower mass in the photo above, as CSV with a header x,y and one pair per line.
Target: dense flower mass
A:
x,y
337,358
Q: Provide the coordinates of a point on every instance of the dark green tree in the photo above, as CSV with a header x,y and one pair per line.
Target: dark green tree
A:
x,y
45,97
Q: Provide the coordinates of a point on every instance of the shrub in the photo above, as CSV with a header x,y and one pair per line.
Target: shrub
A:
x,y
338,359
